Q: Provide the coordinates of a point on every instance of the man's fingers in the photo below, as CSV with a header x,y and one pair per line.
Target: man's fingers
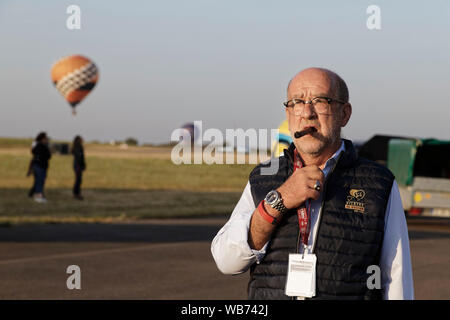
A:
x,y
315,182
316,174
313,194
312,172
316,185
308,180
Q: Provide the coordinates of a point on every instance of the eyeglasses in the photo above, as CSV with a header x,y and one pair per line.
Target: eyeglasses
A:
x,y
320,104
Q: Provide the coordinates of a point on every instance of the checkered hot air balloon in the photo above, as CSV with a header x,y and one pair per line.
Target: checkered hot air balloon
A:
x,y
74,77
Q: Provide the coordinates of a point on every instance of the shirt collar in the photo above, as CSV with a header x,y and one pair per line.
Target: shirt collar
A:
x,y
330,162
338,152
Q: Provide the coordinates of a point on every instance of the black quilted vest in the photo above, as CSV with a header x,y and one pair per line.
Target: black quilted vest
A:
x,y
347,242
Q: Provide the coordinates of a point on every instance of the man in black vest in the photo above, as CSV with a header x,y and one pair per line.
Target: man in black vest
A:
x,y
327,224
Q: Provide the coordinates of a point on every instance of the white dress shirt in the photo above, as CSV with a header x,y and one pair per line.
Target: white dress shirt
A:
x,y
233,254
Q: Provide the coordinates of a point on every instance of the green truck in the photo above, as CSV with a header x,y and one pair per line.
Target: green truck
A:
x,y
421,168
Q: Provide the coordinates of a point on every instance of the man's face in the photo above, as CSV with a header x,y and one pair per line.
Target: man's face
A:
x,y
306,85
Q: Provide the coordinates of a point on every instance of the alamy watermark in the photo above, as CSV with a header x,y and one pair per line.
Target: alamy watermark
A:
x,y
73,22
74,280
193,150
374,20
374,281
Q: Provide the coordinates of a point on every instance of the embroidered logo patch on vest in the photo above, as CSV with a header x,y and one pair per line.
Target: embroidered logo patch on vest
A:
x,y
354,200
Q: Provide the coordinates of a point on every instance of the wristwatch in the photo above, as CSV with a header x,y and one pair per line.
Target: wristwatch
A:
x,y
273,199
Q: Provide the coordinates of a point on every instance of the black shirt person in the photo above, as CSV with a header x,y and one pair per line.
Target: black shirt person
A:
x,y
79,165
39,166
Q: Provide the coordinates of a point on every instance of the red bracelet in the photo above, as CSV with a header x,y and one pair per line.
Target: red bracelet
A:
x,y
265,215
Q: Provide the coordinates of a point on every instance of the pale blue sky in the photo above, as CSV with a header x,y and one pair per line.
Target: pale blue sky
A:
x,y
227,63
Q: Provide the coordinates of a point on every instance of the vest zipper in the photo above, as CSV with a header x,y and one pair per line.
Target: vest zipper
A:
x,y
319,220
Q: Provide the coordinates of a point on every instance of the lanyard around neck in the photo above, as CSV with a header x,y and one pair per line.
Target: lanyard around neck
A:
x,y
303,213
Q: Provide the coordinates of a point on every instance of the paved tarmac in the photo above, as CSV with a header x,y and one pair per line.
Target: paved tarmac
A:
x,y
163,259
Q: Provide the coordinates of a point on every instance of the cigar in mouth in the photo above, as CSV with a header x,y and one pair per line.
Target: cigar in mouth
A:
x,y
299,134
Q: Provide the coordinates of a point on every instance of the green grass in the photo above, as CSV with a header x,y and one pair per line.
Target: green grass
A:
x,y
119,188
15,142
127,173
102,205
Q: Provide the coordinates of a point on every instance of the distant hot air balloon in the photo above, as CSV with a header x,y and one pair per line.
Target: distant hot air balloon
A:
x,y
74,77
190,133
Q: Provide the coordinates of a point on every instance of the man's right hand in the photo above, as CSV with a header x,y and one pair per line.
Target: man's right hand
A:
x,y
299,187
294,191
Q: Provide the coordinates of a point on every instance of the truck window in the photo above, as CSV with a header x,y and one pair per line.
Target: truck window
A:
x,y
433,161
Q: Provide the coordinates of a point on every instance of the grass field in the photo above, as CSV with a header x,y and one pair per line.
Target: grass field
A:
x,y
136,183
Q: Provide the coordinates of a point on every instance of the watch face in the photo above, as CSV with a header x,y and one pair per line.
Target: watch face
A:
x,y
271,197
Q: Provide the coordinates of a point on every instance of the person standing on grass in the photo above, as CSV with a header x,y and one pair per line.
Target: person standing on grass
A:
x,y
79,165
39,166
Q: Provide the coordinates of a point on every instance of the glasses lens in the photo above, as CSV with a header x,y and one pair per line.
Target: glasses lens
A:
x,y
290,104
295,106
320,105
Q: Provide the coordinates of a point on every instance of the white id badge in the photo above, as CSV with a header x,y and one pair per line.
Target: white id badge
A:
x,y
301,277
